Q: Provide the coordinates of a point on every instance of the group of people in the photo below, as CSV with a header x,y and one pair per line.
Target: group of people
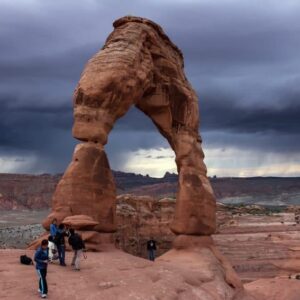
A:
x,y
54,249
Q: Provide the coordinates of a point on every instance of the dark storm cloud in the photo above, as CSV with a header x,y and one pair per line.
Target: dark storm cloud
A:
x,y
42,132
66,65
242,58
224,113
227,115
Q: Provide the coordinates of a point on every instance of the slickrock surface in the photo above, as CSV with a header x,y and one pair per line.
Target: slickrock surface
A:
x,y
258,243
254,251
190,273
138,65
261,255
279,288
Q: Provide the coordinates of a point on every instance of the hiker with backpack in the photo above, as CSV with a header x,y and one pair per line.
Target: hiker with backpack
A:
x,y
60,243
41,259
78,247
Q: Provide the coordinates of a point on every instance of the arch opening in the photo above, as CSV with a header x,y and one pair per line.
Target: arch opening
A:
x,y
136,146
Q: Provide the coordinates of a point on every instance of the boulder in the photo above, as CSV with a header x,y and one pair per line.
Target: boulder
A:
x,y
80,222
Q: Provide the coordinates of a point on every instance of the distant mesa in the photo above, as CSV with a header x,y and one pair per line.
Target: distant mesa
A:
x,y
170,176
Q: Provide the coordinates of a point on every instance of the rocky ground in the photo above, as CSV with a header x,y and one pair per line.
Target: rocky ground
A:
x,y
179,274
19,227
19,237
259,242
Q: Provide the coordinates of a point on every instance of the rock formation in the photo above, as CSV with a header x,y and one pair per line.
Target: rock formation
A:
x,y
138,65
194,274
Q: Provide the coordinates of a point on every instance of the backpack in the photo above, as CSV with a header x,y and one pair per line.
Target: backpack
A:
x,y
25,260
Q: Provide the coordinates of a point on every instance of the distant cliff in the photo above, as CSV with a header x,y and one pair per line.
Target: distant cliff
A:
x,y
18,191
21,191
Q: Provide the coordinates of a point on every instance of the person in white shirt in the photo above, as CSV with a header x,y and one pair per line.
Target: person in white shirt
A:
x,y
52,249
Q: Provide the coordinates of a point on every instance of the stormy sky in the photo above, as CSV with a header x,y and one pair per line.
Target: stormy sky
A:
x,y
242,58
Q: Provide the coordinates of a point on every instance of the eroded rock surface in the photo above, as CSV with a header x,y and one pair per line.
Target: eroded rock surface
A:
x,y
138,65
193,273
87,188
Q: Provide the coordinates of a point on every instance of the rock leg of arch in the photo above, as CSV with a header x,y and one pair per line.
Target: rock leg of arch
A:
x,y
138,65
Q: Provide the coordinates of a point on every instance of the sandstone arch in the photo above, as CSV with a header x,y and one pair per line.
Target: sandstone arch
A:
x,y
140,66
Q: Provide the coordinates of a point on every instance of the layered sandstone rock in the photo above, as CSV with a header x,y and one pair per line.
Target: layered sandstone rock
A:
x,y
250,237
279,288
138,65
21,191
87,188
80,222
142,217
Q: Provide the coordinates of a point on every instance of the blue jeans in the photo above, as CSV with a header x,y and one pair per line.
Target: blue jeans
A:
x,y
151,254
61,254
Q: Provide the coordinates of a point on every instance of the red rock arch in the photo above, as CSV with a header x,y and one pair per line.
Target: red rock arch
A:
x,y
140,66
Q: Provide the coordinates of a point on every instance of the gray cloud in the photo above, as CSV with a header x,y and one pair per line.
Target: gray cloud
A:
x,y
242,58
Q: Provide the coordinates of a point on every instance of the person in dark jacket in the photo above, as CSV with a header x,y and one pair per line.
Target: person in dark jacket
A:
x,y
60,243
78,247
41,259
151,247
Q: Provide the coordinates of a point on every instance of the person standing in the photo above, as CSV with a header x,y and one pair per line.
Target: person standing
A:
x,y
78,247
53,228
151,248
52,250
41,259
60,243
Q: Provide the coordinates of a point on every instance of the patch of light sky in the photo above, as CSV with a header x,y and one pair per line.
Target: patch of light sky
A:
x,y
231,162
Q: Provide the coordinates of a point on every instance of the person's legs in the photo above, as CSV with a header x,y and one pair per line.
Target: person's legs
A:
x,y
44,280
153,255
150,254
77,260
59,253
43,287
74,258
63,254
40,281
